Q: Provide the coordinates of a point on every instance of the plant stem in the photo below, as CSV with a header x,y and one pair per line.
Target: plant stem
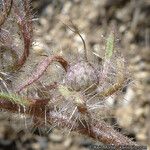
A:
x,y
98,130
41,68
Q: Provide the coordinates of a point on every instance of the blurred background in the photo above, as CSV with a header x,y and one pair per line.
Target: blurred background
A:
x,y
94,19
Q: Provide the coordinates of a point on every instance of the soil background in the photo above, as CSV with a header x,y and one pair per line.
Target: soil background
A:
x,y
94,18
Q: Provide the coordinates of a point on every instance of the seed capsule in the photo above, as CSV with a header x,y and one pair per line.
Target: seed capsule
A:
x,y
81,76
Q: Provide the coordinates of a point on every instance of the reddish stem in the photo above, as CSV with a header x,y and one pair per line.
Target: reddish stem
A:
x,y
98,130
41,68
25,25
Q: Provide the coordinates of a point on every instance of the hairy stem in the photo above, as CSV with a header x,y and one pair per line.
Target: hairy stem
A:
x,y
25,25
41,68
98,130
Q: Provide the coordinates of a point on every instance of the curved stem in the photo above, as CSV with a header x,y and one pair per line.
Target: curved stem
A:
x,y
24,21
76,31
41,68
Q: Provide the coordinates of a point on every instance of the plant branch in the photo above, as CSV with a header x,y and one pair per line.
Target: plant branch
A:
x,y
41,68
98,130
24,21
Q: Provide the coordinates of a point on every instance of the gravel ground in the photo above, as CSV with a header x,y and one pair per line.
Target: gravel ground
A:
x,y
94,19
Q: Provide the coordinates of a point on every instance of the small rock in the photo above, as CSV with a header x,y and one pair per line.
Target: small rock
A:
x,y
35,146
68,142
55,138
141,135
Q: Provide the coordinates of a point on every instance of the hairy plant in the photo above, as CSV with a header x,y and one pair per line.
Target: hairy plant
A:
x,y
78,101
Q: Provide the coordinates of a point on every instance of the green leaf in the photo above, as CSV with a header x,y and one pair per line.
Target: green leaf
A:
x,y
110,43
14,98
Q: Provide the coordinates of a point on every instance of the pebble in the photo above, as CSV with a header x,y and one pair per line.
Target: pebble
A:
x,y
67,143
56,138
